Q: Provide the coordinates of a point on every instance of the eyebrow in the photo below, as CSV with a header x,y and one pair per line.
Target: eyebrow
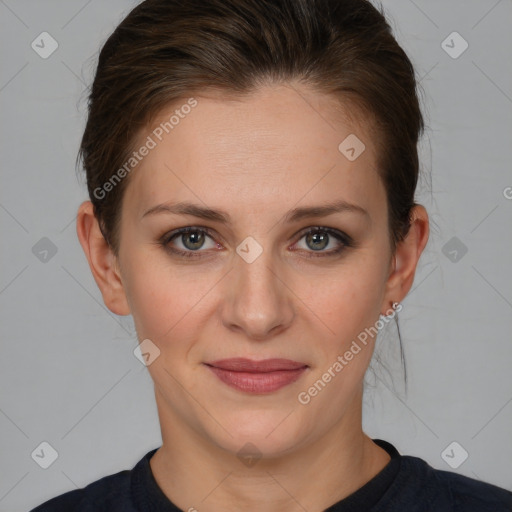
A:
x,y
223,217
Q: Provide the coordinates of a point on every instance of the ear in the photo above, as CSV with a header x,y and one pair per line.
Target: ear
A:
x,y
407,254
102,261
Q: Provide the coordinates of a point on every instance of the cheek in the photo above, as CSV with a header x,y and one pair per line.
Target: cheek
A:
x,y
349,299
162,297
172,304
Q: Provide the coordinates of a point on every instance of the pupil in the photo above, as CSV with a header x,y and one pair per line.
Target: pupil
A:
x,y
323,238
197,240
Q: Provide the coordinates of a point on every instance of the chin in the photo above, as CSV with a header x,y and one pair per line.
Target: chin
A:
x,y
267,432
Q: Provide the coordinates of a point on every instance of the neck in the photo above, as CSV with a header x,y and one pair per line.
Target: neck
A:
x,y
196,474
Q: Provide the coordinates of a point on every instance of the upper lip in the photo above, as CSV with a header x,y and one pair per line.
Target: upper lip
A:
x,y
240,364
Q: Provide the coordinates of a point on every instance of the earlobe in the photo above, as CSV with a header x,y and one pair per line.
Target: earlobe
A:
x,y
407,255
102,261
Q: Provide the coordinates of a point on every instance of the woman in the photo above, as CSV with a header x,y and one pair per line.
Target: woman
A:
x,y
251,167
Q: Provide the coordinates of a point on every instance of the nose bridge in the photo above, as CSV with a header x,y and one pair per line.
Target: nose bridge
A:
x,y
258,275
259,301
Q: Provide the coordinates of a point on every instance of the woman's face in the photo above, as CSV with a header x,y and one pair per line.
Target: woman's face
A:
x,y
256,285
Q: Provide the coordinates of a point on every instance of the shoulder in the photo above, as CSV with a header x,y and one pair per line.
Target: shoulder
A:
x,y
469,494
110,493
428,489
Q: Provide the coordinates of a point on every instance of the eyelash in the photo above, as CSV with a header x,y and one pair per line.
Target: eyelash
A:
x,y
345,240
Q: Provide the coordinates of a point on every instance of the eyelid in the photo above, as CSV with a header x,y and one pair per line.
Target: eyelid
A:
x,y
345,240
167,237
326,229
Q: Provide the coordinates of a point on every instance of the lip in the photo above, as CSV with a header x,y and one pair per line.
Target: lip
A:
x,y
262,376
241,364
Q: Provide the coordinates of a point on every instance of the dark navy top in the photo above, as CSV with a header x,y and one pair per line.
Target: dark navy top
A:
x,y
406,484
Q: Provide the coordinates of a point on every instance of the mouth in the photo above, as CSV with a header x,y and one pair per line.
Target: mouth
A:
x,y
257,377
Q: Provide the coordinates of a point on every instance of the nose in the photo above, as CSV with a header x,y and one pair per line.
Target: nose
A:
x,y
258,301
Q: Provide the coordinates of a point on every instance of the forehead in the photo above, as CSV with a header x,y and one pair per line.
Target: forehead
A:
x,y
276,145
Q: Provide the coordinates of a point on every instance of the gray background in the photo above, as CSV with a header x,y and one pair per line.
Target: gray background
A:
x,y
68,375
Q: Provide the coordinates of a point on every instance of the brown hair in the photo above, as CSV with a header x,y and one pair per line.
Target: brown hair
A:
x,y
165,50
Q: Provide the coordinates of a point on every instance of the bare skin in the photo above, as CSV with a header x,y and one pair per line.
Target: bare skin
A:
x,y
256,158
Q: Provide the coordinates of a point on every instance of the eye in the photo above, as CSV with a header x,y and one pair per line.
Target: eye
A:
x,y
319,238
187,242
192,239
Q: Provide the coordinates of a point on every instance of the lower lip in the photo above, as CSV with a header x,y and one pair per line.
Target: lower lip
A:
x,y
257,382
